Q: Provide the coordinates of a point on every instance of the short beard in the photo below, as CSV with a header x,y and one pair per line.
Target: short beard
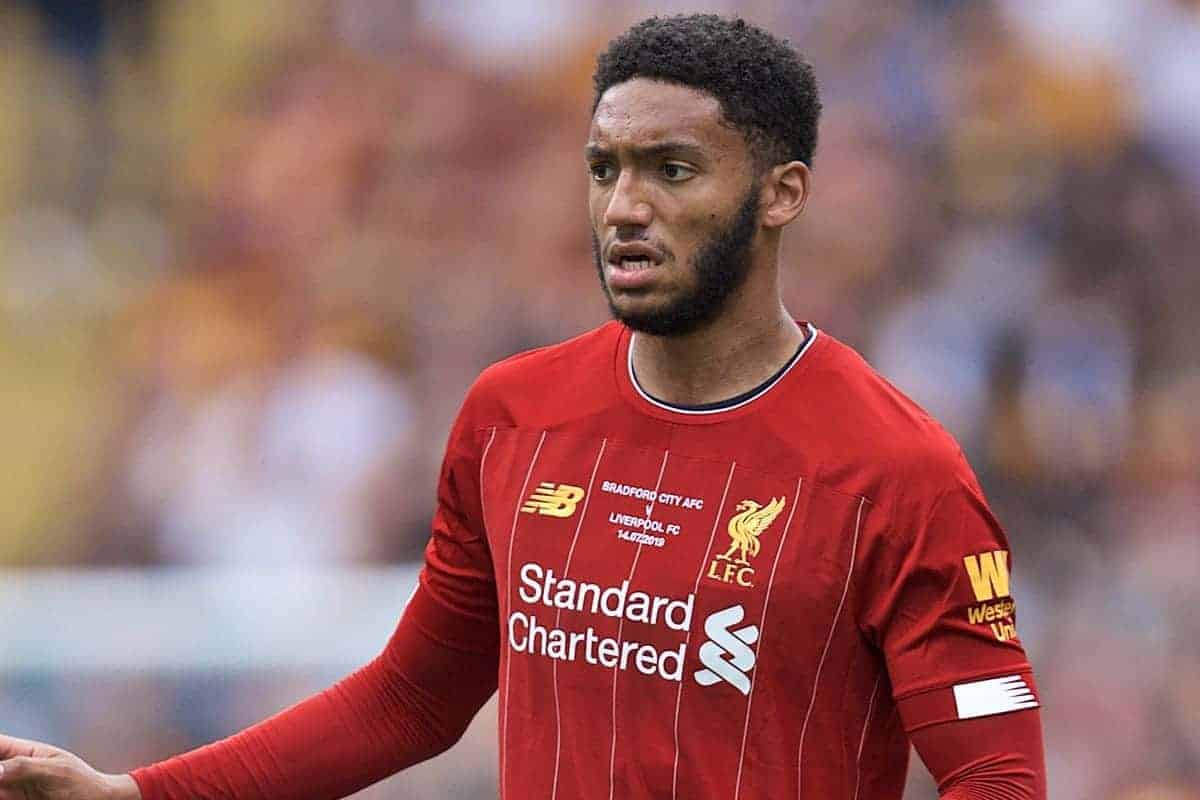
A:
x,y
720,267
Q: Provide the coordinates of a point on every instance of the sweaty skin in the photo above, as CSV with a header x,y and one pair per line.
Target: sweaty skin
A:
x,y
668,170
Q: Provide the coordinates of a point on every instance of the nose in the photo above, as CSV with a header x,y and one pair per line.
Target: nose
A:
x,y
627,205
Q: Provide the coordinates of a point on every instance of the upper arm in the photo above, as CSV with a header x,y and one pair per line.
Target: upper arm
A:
x,y
458,577
939,604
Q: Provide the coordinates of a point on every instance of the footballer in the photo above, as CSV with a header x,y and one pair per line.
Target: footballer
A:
x,y
700,551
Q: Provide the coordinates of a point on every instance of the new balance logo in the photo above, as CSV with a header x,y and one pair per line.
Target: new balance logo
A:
x,y
553,500
726,655
989,574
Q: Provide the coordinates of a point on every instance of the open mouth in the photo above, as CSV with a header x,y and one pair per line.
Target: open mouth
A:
x,y
632,268
634,263
632,257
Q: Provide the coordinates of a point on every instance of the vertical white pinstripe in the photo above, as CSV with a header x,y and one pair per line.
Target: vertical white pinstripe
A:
x,y
825,652
612,757
688,640
512,540
862,740
762,625
558,617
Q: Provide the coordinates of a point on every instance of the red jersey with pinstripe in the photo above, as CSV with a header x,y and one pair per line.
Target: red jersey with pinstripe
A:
x,y
749,602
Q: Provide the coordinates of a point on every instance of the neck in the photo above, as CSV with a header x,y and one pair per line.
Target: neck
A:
x,y
732,355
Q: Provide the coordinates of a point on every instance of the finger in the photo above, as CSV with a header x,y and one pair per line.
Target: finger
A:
x,y
11,746
21,778
26,771
16,770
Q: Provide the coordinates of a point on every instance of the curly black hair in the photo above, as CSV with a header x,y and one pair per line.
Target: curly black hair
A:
x,y
767,91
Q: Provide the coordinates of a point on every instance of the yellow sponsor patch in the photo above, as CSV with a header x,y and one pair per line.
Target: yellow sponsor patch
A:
x,y
989,574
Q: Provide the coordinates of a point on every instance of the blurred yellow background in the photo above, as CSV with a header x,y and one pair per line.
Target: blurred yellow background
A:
x,y
252,254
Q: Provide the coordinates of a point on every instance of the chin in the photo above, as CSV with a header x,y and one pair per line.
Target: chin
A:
x,y
630,310
655,320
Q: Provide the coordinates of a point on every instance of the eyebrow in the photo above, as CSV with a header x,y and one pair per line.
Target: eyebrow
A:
x,y
682,148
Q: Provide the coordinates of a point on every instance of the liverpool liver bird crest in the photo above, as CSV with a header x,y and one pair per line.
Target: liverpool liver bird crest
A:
x,y
745,527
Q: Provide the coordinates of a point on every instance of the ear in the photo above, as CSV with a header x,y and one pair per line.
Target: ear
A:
x,y
785,192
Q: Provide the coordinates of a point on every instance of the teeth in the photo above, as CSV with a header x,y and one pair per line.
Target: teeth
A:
x,y
634,264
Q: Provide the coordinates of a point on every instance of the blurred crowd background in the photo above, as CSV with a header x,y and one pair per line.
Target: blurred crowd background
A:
x,y
252,254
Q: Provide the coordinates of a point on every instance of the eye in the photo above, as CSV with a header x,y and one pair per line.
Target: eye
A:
x,y
676,172
601,172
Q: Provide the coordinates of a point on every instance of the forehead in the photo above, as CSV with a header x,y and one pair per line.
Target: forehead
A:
x,y
643,112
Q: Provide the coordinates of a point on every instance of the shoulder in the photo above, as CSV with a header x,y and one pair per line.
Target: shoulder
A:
x,y
883,435
564,357
538,385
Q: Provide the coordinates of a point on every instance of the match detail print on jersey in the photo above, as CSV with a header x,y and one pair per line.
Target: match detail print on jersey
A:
x,y
607,629
753,603
749,604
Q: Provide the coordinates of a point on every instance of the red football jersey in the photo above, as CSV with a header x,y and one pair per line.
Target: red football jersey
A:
x,y
754,601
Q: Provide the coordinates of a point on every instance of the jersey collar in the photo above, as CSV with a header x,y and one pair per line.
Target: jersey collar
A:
x,y
646,403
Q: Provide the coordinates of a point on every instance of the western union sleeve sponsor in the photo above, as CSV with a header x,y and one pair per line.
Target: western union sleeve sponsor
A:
x,y
989,574
991,612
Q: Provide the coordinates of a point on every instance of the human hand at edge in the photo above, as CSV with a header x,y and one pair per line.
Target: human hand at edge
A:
x,y
36,771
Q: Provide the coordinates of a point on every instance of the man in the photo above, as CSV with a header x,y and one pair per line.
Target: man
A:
x,y
702,551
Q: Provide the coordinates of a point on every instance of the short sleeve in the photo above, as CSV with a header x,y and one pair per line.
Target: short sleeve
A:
x,y
458,575
938,604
